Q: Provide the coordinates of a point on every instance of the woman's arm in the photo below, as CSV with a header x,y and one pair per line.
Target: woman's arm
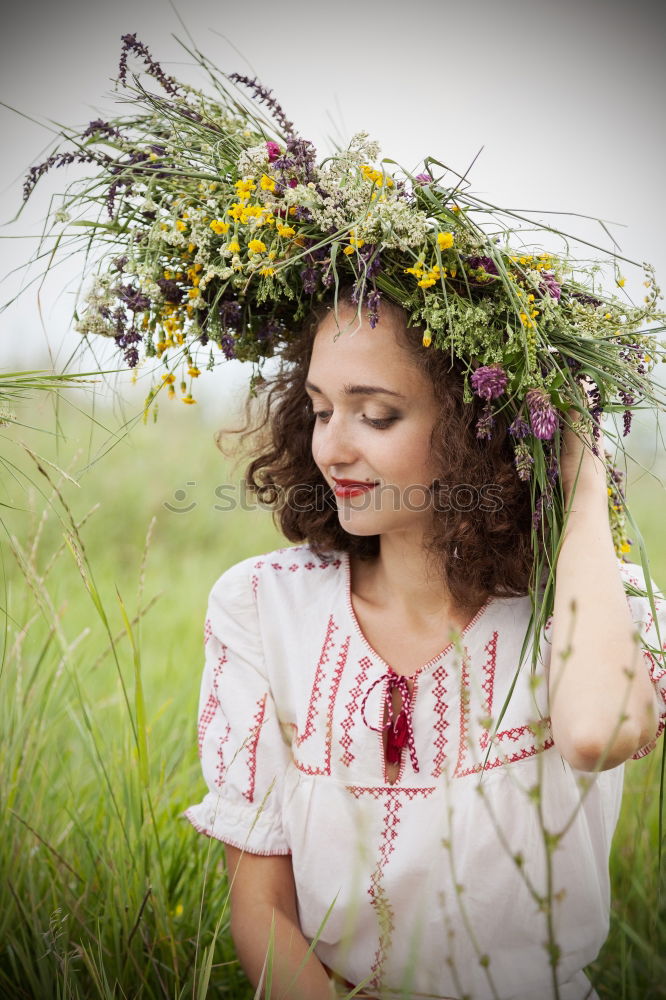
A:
x,y
262,891
603,706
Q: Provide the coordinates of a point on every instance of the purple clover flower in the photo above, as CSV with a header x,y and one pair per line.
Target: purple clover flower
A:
x,y
543,415
489,381
273,150
423,179
551,285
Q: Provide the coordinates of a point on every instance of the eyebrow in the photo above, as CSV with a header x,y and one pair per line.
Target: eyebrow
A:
x,y
359,390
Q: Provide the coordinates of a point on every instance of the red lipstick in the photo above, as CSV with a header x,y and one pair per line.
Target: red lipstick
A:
x,y
351,487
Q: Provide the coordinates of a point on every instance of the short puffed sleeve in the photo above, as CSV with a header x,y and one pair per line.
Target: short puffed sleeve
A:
x,y
243,754
651,627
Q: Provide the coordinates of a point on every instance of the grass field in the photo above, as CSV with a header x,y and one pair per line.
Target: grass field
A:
x,y
106,890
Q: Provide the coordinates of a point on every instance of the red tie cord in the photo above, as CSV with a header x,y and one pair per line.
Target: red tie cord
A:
x,y
400,731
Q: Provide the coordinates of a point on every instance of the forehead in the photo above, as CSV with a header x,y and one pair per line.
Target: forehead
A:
x,y
355,349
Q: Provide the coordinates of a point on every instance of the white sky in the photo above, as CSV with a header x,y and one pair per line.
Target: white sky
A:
x,y
566,99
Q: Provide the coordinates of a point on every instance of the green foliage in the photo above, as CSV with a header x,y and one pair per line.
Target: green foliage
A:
x,y
107,891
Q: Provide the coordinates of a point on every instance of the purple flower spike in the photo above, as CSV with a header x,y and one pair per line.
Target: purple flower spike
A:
x,y
422,179
485,424
519,428
543,415
489,381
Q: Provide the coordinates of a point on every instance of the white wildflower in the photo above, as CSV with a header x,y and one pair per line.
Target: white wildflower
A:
x,y
253,159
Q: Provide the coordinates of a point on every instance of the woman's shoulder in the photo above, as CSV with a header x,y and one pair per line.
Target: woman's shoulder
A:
x,y
281,571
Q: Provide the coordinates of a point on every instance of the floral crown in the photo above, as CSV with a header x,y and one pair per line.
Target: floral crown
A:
x,y
218,230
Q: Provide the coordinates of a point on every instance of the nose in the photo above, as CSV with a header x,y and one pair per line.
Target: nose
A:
x,y
333,445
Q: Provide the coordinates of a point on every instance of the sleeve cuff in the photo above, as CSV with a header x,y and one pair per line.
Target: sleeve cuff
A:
x,y
249,828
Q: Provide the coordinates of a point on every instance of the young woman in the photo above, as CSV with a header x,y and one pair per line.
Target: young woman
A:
x,y
386,781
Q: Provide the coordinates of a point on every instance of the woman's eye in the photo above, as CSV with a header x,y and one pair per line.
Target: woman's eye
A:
x,y
379,423
384,422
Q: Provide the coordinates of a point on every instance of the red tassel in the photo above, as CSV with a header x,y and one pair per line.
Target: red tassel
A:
x,y
396,738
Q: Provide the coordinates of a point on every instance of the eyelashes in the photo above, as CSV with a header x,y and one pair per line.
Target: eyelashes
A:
x,y
378,423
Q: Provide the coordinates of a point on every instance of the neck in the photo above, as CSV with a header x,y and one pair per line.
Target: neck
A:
x,y
403,581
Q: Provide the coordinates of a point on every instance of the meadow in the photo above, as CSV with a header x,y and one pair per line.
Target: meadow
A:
x,y
107,892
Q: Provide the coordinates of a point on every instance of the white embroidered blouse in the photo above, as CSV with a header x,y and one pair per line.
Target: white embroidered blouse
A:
x,y
439,883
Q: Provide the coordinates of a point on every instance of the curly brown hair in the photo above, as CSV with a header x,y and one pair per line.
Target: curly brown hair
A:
x,y
480,553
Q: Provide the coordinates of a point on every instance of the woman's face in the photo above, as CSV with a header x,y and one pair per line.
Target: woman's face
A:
x,y
368,436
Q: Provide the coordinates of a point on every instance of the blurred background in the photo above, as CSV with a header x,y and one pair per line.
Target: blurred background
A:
x,y
114,530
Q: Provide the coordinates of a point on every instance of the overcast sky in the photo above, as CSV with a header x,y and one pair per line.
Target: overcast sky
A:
x,y
565,98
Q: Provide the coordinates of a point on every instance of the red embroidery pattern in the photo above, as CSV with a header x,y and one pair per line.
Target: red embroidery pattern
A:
x,y
205,719
258,722
523,738
208,630
292,567
219,781
488,684
441,723
352,707
315,694
212,703
333,693
380,901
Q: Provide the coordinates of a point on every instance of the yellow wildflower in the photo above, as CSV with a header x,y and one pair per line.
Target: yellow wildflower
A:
x,y
168,379
191,247
348,250
267,183
426,282
445,240
416,271
219,227
265,271
188,399
168,275
193,371
171,392
624,548
256,246
620,282
234,247
180,225
427,339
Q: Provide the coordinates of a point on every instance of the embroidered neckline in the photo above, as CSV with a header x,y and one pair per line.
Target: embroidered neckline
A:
x,y
359,631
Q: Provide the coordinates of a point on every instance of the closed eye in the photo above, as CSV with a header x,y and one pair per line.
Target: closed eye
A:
x,y
379,423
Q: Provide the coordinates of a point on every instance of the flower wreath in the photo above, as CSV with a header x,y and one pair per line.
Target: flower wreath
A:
x,y
218,230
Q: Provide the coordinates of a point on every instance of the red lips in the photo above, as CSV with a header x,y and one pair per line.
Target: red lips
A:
x,y
351,487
